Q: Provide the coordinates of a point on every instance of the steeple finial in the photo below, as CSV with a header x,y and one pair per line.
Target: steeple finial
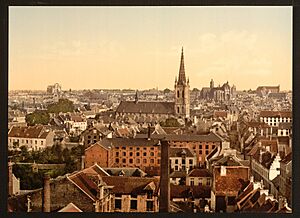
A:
x,y
181,78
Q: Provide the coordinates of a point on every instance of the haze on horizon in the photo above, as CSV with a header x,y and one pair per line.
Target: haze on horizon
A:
x,y
139,47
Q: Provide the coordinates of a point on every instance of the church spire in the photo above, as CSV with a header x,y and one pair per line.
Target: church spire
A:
x,y
181,78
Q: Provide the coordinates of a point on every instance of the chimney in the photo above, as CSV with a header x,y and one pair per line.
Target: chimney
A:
x,y
82,162
10,178
223,170
251,179
149,132
164,199
46,193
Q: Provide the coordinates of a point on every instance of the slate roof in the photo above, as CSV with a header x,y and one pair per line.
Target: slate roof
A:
x,y
178,174
146,107
127,142
183,191
28,132
135,172
200,173
130,185
178,152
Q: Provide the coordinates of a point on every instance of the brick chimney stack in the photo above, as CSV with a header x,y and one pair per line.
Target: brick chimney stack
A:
x,y
46,194
164,199
10,178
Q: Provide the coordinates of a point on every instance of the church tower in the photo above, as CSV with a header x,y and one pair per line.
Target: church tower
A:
x,y
182,92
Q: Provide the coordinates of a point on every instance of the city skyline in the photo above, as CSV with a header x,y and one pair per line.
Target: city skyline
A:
x,y
106,47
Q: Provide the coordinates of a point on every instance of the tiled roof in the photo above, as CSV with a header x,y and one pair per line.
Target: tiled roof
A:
x,y
178,152
285,126
199,173
87,180
183,191
130,185
146,107
70,208
28,132
287,158
232,182
257,124
276,114
220,113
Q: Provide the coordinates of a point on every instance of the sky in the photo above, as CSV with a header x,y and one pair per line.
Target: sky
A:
x,y
139,47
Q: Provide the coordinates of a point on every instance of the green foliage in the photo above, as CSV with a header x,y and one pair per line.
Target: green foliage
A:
x,y
37,117
51,155
170,122
167,91
63,105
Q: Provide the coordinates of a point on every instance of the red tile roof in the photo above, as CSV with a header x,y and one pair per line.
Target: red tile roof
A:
x,y
232,182
130,185
28,132
287,114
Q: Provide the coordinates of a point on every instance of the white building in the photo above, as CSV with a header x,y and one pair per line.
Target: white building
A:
x,y
32,137
182,159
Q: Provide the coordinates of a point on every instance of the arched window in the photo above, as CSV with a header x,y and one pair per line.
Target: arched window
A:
x,y
178,94
178,110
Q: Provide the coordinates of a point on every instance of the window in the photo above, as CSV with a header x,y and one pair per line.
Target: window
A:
x,y
145,154
95,137
89,137
200,147
152,148
124,160
130,154
42,142
149,194
117,154
178,95
22,141
183,161
213,147
177,109
26,141
208,181
192,182
124,148
133,204
206,152
206,147
158,161
124,153
145,148
176,161
158,154
191,162
149,205
200,181
95,141
35,142
130,148
183,93
118,204
138,160
231,200
117,160
144,160
88,141
176,168
200,151
137,148
131,161
152,161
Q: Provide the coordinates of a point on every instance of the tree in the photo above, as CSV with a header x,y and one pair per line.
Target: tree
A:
x,y
63,105
167,91
37,117
170,122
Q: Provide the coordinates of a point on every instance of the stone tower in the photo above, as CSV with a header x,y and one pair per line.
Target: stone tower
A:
x,y
182,92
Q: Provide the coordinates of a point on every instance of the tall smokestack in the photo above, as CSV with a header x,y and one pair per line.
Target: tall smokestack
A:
x,y
164,199
149,132
46,194
10,178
